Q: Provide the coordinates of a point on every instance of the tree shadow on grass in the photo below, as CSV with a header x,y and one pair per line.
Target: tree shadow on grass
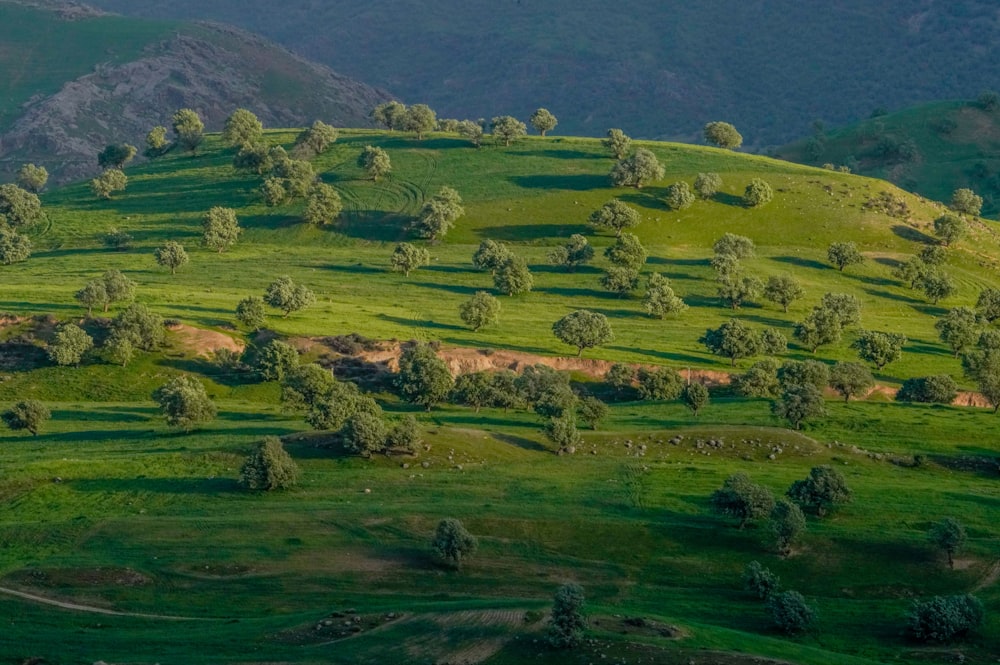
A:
x,y
520,441
453,288
271,222
578,182
157,485
420,323
888,262
663,355
765,320
657,260
912,234
647,197
356,269
226,376
801,262
878,293
528,232
729,199
571,292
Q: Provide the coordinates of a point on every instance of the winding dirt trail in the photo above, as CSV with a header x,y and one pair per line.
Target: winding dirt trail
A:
x,y
95,610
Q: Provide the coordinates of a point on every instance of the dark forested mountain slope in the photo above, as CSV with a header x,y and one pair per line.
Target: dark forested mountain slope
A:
x,y
656,68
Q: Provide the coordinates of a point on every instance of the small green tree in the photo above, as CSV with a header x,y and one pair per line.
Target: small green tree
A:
x,y
761,380
790,612
171,255
375,161
783,290
592,411
307,385
627,252
824,488
365,432
959,328
966,201
250,312
116,156
843,254
615,215
109,182
879,348
620,377
641,168
119,349
507,129
574,253
274,360
19,207
220,229
543,121
707,185
452,543
439,214
29,414
323,205
659,384
733,340
950,229
695,397
988,304
787,524
723,135
184,402
406,258
742,499
757,193
404,436
567,621
70,344
679,196
736,288
419,119
14,247
851,379
141,327
491,255
315,139
390,115
618,143
659,299
804,372
583,329
943,618
32,178
472,131
773,342
737,246
423,378
91,295
117,240
799,403
935,389
760,581
938,285
562,432
821,327
284,294
480,310
117,288
269,467
156,142
189,129
513,277
474,389
948,535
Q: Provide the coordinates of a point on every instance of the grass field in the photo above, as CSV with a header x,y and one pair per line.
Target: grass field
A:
x,y
109,509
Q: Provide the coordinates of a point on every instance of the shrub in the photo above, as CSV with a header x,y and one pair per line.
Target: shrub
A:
x,y
760,581
943,618
269,467
452,543
790,612
567,622
934,389
757,193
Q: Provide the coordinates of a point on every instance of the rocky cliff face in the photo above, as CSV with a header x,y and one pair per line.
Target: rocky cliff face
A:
x,y
211,68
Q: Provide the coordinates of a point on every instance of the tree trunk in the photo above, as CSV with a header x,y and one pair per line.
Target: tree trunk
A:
x,y
951,560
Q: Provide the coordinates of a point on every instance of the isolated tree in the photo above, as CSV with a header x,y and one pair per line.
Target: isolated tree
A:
x,y
843,254
943,618
734,245
220,229
950,229
274,360
679,196
988,304
140,326
117,288
117,240
757,193
323,205
879,348
966,201
934,389
315,139
641,168
733,340
617,142
375,162
439,214
583,329
723,135
452,543
189,129
543,121
472,131
959,328
184,402
406,258
851,379
109,182
404,436
592,411
14,247
269,467
19,207
419,119
171,255
822,326
948,535
562,432
790,611
799,403
390,115
574,253
365,432
824,488
480,310
491,255
736,288
507,129
659,384
707,185
786,525
70,344
513,277
760,581
627,252
250,312
284,294
783,290
116,156
695,397
615,215
32,178
938,285
423,378
567,621
742,499
26,414
659,299
156,142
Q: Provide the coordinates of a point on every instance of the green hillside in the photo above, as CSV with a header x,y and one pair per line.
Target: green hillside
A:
x,y
110,510
932,149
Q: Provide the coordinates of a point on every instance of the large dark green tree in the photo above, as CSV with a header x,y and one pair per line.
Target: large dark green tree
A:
x,y
583,329
423,377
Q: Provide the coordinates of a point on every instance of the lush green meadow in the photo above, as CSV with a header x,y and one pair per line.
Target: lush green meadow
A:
x,y
108,508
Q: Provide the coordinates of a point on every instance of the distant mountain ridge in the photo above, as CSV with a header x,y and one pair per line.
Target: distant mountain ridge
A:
x,y
211,68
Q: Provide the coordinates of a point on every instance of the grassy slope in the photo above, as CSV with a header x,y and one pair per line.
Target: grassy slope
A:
x,y
635,532
966,156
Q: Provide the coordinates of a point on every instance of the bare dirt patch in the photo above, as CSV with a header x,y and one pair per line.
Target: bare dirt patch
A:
x,y
451,642
52,578
337,625
204,342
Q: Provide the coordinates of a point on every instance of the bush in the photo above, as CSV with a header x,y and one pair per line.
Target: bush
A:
x,y
790,612
567,622
660,384
757,193
943,618
760,581
27,414
269,467
365,433
452,543
679,196
934,389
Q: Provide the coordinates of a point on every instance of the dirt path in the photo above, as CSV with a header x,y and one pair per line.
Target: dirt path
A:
x,y
94,610
989,579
